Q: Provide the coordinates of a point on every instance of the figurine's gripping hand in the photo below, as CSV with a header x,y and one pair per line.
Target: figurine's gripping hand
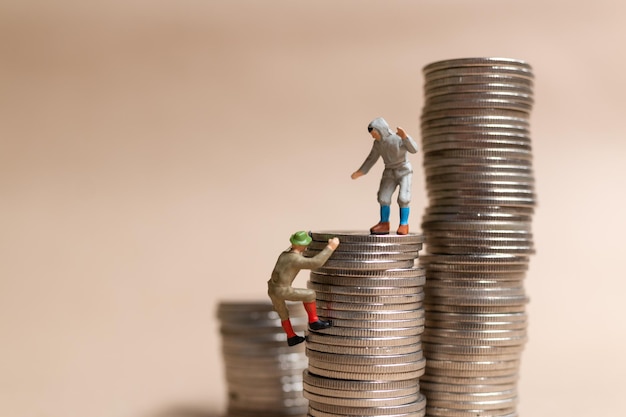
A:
x,y
333,243
356,174
400,132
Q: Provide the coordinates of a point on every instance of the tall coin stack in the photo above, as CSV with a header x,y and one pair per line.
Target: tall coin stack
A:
x,y
263,374
479,179
369,362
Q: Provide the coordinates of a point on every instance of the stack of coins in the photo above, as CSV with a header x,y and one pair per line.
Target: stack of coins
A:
x,y
477,161
369,362
263,374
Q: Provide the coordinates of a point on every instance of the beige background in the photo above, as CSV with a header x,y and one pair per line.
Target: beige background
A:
x,y
155,156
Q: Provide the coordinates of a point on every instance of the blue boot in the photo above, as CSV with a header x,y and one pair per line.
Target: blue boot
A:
x,y
403,229
382,228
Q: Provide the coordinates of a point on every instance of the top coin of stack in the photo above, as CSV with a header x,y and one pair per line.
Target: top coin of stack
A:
x,y
480,184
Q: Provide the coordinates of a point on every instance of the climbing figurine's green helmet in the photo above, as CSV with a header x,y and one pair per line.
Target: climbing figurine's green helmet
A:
x,y
300,238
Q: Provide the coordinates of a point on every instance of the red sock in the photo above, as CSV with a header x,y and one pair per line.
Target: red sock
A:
x,y
311,310
287,327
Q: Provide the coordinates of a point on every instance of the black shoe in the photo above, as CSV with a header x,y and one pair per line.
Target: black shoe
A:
x,y
320,325
292,341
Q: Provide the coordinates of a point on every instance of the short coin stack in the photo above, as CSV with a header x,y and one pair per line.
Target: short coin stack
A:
x,y
369,362
263,374
477,161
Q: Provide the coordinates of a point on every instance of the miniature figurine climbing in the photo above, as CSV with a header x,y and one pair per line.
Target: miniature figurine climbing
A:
x,y
393,148
289,263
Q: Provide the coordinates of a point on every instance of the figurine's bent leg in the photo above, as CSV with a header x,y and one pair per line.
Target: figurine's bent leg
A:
x,y
278,297
404,199
385,191
308,300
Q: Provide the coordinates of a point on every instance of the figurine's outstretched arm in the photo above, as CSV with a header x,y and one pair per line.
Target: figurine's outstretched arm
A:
x,y
356,174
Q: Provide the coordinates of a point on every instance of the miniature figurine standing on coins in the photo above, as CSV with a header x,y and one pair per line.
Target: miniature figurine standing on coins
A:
x,y
393,148
289,263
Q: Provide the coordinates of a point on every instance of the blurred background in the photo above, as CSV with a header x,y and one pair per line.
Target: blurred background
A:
x,y
155,157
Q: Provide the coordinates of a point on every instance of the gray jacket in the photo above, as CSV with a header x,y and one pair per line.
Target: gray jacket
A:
x,y
391,147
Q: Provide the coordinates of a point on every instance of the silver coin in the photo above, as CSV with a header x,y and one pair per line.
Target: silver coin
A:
x,y
483,301
477,284
488,200
500,186
368,247
363,341
435,324
450,100
358,394
431,146
331,265
361,402
462,71
381,282
504,152
373,386
514,277
454,80
436,238
379,324
492,259
506,136
333,305
479,103
483,365
481,162
415,406
257,412
385,368
479,318
410,273
284,361
451,212
269,373
476,62
485,341
414,315
501,168
480,112
436,355
433,91
476,335
317,413
480,268
472,129
249,398
364,350
479,293
365,237
258,386
466,389
460,250
438,411
467,381
365,376
367,256
371,300
494,395
370,333
365,359
471,350
452,124
482,234
475,225
471,309
365,291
